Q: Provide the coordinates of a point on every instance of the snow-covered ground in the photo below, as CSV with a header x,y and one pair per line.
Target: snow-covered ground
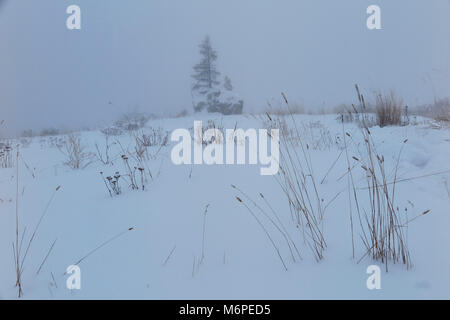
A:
x,y
160,258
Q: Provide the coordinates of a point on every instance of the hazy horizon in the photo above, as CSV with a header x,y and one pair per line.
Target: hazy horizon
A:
x,y
140,57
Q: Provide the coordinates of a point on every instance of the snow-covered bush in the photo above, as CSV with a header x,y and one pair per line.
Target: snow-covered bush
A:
x,y
182,114
111,131
27,133
132,121
49,132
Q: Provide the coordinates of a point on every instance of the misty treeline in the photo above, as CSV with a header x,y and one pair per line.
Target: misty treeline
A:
x,y
210,91
213,92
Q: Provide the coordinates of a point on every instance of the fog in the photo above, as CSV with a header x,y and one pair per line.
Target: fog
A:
x,y
138,55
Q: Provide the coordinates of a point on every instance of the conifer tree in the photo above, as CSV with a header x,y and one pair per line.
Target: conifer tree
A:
x,y
205,72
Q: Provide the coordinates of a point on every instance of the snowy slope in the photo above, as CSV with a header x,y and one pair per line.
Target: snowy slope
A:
x,y
239,261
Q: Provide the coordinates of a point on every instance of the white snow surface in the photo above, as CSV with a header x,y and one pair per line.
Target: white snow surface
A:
x,y
239,261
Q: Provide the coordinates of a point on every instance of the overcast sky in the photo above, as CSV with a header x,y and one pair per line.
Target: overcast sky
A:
x,y
139,54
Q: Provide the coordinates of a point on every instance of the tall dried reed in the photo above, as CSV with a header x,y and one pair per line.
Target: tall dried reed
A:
x,y
297,181
382,227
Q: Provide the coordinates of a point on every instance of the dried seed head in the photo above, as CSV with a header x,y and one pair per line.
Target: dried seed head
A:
x,y
284,97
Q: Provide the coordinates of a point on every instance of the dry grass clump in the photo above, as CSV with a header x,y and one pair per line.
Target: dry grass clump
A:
x,y
313,133
439,110
265,219
104,156
6,155
153,137
280,110
199,133
75,152
297,180
136,177
383,228
388,108
351,114
20,251
136,172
